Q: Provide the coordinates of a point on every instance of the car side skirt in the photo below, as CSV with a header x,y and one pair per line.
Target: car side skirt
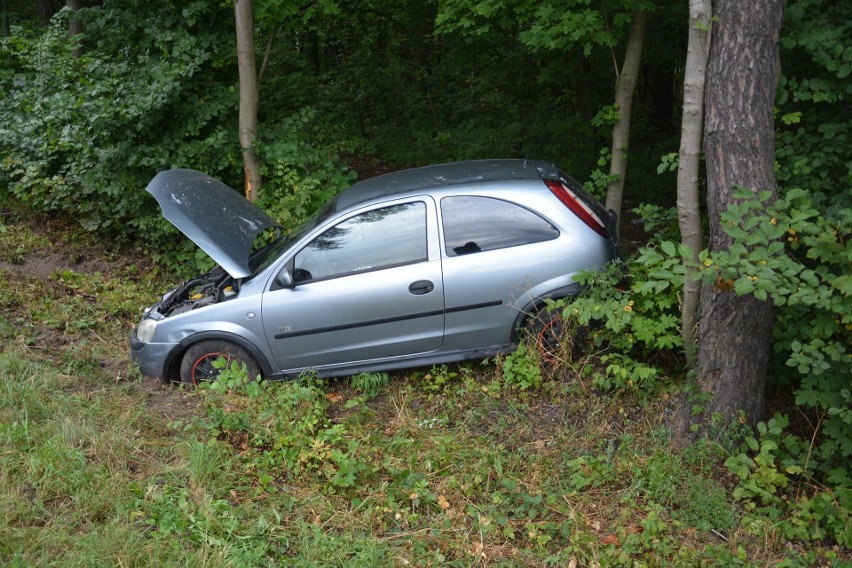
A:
x,y
424,360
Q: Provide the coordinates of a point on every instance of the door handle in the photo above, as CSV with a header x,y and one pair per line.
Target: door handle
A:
x,y
421,287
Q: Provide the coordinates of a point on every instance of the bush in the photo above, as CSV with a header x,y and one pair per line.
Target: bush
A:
x,y
83,135
797,253
634,330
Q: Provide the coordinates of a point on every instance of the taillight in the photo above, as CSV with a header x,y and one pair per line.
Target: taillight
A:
x,y
576,205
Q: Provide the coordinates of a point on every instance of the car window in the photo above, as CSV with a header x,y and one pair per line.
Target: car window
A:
x,y
377,239
476,224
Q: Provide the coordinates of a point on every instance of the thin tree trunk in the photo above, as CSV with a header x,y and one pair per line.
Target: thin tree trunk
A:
x,y
266,53
688,210
625,85
4,6
249,96
75,25
735,331
46,10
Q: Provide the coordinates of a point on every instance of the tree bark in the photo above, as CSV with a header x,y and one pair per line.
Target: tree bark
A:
x,y
688,210
249,96
734,331
4,7
75,25
46,10
624,87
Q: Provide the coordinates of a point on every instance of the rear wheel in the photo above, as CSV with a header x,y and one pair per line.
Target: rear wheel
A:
x,y
558,341
197,363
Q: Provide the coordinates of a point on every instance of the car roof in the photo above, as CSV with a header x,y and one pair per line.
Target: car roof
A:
x,y
441,175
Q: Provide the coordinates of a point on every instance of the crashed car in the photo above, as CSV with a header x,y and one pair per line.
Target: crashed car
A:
x,y
420,267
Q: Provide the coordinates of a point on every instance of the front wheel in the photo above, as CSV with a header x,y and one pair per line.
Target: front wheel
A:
x,y
197,363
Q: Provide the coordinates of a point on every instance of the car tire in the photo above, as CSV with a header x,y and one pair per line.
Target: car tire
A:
x,y
197,363
556,340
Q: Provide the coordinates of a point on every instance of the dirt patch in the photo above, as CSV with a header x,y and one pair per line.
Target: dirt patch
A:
x,y
103,352
43,265
171,402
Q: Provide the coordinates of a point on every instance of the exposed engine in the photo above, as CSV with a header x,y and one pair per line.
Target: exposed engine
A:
x,y
211,288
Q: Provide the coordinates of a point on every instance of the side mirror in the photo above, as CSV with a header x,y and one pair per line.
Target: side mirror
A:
x,y
284,278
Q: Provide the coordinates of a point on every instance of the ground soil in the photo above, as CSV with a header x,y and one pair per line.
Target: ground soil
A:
x,y
171,402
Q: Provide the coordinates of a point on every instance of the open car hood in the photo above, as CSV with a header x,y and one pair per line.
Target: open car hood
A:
x,y
214,216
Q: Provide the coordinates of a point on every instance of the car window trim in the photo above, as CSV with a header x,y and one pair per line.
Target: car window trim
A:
x,y
365,271
446,249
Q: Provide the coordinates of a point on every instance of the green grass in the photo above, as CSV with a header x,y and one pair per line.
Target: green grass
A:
x,y
17,240
451,466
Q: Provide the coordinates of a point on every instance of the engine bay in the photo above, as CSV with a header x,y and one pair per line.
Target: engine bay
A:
x,y
205,290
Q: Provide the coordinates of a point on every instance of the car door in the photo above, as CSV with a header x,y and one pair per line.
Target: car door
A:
x,y
495,251
367,287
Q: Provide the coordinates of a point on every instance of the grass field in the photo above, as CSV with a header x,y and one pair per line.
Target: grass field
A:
x,y
450,466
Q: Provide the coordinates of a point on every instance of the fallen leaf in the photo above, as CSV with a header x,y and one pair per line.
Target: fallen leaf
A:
x,y
573,562
334,397
443,503
610,539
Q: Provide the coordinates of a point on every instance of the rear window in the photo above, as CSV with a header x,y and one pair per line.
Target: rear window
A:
x,y
477,224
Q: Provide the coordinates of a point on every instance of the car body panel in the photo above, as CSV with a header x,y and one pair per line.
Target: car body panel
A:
x,y
190,200
356,318
361,316
428,177
297,316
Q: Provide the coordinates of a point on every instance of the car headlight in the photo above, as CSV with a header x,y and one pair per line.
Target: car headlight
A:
x,y
145,330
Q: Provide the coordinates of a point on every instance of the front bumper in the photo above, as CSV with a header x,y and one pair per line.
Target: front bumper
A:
x,y
153,359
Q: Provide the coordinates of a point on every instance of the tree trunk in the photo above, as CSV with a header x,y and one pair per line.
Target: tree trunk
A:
x,y
46,10
4,7
739,148
688,210
75,25
249,96
624,87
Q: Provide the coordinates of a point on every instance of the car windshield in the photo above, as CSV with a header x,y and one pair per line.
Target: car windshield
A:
x,y
269,253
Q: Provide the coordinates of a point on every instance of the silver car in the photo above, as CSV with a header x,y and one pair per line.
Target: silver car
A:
x,y
419,267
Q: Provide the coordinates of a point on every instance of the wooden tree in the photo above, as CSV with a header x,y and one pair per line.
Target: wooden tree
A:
x,y
4,16
742,76
46,10
249,96
625,85
688,210
75,24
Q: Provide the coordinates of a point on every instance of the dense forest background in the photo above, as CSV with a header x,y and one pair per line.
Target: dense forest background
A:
x,y
343,87
100,95
381,85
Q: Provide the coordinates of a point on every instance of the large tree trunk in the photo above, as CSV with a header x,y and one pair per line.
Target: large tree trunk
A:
x,y
624,87
739,148
688,210
249,95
